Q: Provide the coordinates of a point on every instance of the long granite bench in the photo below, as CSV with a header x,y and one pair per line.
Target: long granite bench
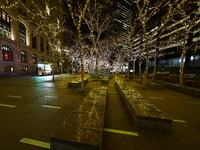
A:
x,y
83,128
144,114
77,83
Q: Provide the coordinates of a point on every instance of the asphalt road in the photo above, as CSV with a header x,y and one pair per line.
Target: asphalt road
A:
x,y
32,108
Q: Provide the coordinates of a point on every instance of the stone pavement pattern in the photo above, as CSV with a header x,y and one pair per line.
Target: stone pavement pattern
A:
x,y
32,120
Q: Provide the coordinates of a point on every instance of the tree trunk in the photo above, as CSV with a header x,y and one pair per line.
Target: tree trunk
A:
x,y
154,69
181,78
128,71
193,63
133,69
53,73
182,66
146,74
140,69
96,70
82,67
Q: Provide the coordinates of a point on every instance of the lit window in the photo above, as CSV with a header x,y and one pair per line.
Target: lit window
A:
x,y
9,69
23,57
22,33
42,59
6,53
34,41
5,25
4,15
25,69
34,57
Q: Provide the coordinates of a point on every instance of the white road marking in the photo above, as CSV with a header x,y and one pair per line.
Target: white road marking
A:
x,y
50,96
51,106
121,132
14,96
5,105
181,121
35,143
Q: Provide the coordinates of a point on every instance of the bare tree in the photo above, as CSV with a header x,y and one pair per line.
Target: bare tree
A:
x,y
77,17
98,20
188,20
146,10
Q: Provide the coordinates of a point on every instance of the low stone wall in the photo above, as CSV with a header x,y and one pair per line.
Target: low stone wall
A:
x,y
144,114
83,129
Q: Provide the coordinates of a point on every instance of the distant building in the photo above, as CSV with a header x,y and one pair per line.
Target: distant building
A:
x,y
22,43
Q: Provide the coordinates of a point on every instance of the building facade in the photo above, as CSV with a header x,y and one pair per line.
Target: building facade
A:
x,y
23,40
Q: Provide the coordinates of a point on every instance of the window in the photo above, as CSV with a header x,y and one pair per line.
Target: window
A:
x,y
194,61
4,16
25,68
9,69
34,41
24,1
22,33
23,57
5,25
47,47
41,44
34,57
42,59
6,53
22,13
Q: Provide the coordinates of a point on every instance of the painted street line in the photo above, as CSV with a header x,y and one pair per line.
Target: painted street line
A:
x,y
14,96
35,143
11,86
50,96
121,132
181,121
5,105
51,106
156,97
193,102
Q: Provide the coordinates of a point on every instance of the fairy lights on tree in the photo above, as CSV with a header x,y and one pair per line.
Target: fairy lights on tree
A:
x,y
184,33
146,11
98,20
77,14
42,21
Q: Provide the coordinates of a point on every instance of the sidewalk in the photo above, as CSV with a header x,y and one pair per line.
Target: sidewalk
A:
x,y
183,109
29,119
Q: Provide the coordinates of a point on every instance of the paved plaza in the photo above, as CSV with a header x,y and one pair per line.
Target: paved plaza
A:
x,y
33,107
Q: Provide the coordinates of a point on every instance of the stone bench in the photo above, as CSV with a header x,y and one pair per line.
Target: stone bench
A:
x,y
144,114
105,80
83,128
77,83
